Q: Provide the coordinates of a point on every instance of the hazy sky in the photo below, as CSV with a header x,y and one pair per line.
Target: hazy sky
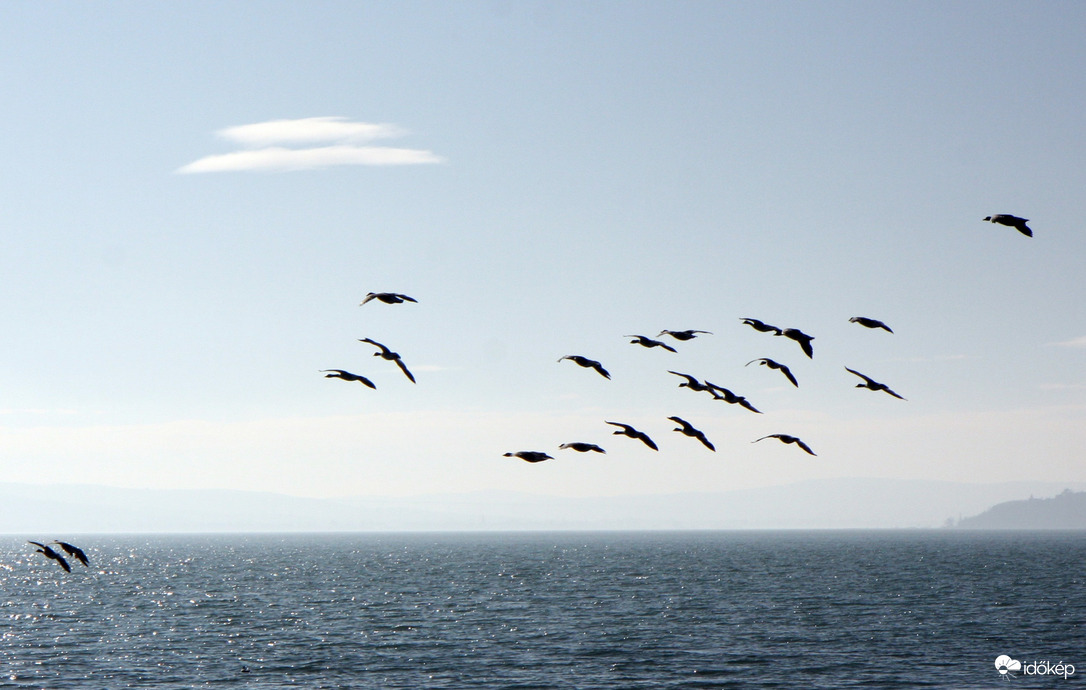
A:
x,y
196,196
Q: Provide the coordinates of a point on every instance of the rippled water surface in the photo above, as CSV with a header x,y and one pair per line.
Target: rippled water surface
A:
x,y
564,610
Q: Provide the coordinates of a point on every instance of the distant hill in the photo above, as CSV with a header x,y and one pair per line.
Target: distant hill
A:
x,y
1065,511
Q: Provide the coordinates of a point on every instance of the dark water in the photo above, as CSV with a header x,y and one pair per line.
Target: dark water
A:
x,y
559,610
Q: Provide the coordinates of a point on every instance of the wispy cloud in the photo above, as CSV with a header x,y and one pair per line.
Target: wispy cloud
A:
x,y
307,144
1073,342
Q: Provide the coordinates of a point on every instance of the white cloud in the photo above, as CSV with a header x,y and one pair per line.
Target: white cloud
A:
x,y
1073,342
308,130
343,144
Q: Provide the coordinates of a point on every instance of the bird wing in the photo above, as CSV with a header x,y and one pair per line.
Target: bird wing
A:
x,y
648,441
893,393
804,446
865,378
603,372
625,427
788,372
384,350
710,446
36,543
406,298
403,368
367,298
689,379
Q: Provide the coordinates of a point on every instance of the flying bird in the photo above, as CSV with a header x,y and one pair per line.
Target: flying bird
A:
x,y
73,551
695,385
870,323
785,438
682,335
347,376
387,298
688,429
648,342
391,356
528,455
628,430
582,447
729,397
800,337
1015,222
872,384
760,326
776,365
50,553
588,364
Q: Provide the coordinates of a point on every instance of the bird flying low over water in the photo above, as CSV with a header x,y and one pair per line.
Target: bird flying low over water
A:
x,y
529,455
870,323
387,298
391,356
588,364
682,335
776,365
729,397
688,429
1015,222
800,337
73,551
50,553
763,327
872,384
582,447
785,438
645,341
347,376
628,430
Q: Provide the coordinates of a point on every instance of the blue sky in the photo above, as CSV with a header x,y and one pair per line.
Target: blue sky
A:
x,y
544,178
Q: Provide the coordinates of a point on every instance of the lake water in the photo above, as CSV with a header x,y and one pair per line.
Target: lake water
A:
x,y
547,610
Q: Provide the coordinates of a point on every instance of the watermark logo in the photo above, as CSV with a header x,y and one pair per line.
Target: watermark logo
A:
x,y
1006,665
1009,667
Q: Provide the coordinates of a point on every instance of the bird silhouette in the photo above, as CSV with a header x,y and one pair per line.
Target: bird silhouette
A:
x,y
785,438
730,397
387,298
800,337
682,335
871,384
347,376
73,551
528,455
391,356
588,364
776,365
760,326
688,429
628,430
1015,222
870,323
50,553
695,385
645,341
582,447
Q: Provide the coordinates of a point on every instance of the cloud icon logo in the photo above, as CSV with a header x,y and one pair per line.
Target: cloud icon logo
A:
x,y
1004,664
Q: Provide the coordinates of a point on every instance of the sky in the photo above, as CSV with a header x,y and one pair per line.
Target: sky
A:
x,y
196,198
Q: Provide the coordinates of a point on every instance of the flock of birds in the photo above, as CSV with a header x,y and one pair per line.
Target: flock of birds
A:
x,y
705,386
718,392
694,384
